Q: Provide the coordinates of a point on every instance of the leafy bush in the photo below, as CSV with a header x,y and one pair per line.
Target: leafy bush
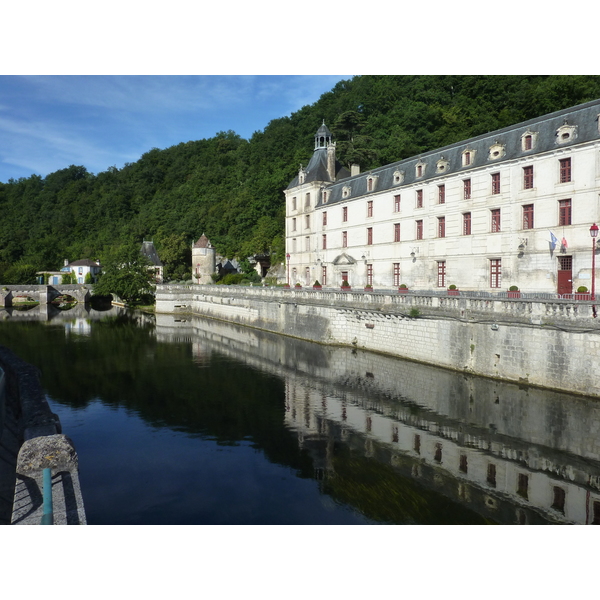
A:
x,y
513,288
582,289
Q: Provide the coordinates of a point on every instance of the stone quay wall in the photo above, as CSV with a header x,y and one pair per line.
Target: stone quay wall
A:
x,y
549,343
31,440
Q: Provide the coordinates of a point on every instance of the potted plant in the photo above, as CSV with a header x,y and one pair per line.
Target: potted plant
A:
x,y
513,292
317,285
345,285
286,286
403,289
298,285
368,287
452,290
583,293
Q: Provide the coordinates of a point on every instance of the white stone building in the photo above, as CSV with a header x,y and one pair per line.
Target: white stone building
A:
x,y
511,207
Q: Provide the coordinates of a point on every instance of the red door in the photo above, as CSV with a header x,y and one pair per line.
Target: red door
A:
x,y
565,275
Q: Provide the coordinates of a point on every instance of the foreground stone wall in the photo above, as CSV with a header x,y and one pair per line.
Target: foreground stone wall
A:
x,y
34,441
548,343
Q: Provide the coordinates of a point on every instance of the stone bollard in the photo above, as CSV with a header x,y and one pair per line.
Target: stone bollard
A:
x,y
55,452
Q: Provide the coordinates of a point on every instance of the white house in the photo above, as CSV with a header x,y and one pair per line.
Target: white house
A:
x,y
511,207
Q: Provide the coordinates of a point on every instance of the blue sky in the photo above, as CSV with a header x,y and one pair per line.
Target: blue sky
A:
x,y
50,122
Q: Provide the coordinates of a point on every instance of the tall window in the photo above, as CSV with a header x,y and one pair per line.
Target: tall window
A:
x,y
419,198
441,227
307,220
324,241
441,194
324,197
495,183
345,276
419,171
369,274
564,212
441,273
370,208
528,216
467,159
369,185
369,236
294,203
344,239
396,232
396,273
323,275
344,214
528,142
467,223
495,273
467,189
397,203
307,201
495,220
325,218
491,474
307,244
294,224
528,177
522,485
419,230
558,502
565,170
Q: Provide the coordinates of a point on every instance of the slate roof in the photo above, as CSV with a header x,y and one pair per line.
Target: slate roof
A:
x,y
317,169
584,117
149,250
84,262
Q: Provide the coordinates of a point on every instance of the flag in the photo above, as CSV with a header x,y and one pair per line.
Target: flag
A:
x,y
564,243
553,241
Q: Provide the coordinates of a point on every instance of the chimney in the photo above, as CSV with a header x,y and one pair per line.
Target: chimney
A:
x,y
354,170
331,161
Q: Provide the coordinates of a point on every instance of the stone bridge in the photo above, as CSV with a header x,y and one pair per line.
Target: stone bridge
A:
x,y
43,294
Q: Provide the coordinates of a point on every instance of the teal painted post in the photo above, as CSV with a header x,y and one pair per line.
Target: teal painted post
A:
x,y
48,514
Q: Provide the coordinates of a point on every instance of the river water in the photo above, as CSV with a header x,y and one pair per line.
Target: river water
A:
x,y
193,421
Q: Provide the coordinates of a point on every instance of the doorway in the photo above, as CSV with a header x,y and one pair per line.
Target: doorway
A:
x,y
565,275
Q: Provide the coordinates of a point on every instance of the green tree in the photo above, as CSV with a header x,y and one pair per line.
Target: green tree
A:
x,y
126,273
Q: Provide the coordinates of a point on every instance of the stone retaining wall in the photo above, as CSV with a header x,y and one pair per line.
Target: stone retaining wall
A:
x,y
32,440
547,343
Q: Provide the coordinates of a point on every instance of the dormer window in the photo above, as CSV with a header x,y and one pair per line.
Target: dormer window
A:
x,y
442,165
497,151
566,133
528,140
398,177
467,158
346,191
420,169
371,183
324,197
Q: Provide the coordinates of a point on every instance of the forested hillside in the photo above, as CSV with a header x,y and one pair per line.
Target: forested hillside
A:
x,y
231,188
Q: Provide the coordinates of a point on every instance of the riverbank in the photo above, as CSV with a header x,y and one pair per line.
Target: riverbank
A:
x,y
545,342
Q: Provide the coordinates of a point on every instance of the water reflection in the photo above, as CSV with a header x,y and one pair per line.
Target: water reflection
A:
x,y
512,454
196,421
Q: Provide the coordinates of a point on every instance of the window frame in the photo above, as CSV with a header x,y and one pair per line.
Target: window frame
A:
x,y
565,212
369,236
441,227
467,223
495,273
419,229
441,273
528,177
467,189
442,194
495,183
496,223
396,232
528,216
565,170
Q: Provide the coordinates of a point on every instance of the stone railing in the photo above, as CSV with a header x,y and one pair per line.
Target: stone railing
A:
x,y
537,309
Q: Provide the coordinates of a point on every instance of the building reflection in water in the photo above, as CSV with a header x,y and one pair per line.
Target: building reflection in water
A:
x,y
513,454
